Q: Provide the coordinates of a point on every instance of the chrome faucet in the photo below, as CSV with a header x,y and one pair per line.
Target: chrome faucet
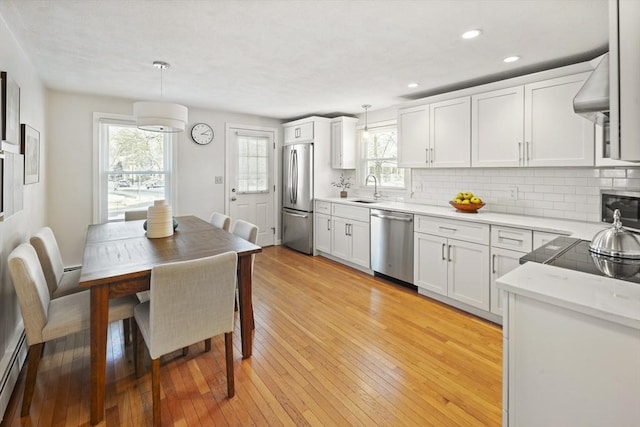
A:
x,y
376,195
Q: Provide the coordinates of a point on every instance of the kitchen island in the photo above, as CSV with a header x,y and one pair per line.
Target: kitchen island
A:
x,y
571,348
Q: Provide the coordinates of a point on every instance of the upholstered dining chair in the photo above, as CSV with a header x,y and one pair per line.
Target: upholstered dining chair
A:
x,y
220,220
60,280
135,215
190,301
47,319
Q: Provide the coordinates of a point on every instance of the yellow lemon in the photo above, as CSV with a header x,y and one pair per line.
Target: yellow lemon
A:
x,y
475,200
465,202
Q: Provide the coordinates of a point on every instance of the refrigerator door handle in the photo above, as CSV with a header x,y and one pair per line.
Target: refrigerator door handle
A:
x,y
290,183
295,177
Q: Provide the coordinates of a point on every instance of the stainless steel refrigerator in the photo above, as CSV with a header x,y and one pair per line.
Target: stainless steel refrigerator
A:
x,y
297,197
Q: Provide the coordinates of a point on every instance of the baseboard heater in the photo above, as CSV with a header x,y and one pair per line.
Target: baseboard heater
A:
x,y
11,371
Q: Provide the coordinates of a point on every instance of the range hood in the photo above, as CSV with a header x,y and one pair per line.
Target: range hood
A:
x,y
592,100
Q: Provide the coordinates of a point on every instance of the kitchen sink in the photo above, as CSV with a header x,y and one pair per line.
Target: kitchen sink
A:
x,y
365,201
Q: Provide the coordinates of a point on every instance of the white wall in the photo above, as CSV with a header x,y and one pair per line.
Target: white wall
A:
x,y
70,164
20,227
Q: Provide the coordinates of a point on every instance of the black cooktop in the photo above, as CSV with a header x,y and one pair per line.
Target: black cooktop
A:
x,y
574,254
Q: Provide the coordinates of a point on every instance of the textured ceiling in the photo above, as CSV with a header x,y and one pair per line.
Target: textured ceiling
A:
x,y
288,59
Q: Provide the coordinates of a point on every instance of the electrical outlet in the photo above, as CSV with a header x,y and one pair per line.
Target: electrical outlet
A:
x,y
219,180
513,192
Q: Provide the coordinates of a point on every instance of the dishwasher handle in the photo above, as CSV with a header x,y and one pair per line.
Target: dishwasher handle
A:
x,y
387,215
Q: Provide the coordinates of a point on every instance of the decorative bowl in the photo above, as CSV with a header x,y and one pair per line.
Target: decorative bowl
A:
x,y
466,207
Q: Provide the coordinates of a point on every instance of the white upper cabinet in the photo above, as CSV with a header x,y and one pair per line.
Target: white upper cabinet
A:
x,y
298,132
435,135
497,123
554,135
531,125
343,143
413,137
450,133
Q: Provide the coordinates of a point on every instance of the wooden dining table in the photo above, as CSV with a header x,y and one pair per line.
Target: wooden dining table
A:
x,y
118,258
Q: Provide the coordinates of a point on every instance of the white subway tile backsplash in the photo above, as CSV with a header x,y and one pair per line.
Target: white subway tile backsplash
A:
x,y
572,193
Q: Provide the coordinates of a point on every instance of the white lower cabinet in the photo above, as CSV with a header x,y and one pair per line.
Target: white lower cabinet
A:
x,y
322,239
454,268
502,262
351,241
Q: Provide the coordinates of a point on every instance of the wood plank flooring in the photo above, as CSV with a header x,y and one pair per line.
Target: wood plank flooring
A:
x,y
332,347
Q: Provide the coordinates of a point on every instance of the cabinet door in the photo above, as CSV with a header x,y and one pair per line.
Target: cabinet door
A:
x,y
430,262
450,133
468,273
413,136
336,145
298,133
497,128
340,240
502,262
343,143
323,233
360,243
554,135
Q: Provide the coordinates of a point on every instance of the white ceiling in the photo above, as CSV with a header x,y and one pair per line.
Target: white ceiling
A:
x,y
288,59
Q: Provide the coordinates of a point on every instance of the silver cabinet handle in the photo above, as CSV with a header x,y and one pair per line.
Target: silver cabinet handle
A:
x,y
519,153
511,239
431,156
426,155
449,253
350,229
527,148
447,228
443,245
493,264
346,229
298,132
329,225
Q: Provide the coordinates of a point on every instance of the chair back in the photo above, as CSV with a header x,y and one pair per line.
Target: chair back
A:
x,y
31,289
135,215
46,246
246,230
191,301
220,220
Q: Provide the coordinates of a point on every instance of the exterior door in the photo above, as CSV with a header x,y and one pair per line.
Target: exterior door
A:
x,y
251,183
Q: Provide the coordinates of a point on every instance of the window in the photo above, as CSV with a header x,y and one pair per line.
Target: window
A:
x,y
134,167
380,158
253,164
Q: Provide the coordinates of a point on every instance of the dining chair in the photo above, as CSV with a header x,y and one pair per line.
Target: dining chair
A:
x,y
135,215
46,319
60,280
220,220
190,301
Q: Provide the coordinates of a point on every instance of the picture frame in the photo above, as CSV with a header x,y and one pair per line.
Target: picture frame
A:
x,y
10,113
30,147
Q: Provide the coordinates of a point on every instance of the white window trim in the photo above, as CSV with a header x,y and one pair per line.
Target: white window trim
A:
x,y
360,177
99,170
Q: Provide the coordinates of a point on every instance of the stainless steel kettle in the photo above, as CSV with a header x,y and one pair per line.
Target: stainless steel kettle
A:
x,y
616,241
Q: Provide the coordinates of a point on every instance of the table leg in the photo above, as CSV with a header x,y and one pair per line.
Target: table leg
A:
x,y
246,304
99,323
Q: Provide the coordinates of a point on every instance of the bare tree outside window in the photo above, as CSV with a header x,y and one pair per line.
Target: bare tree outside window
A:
x,y
380,158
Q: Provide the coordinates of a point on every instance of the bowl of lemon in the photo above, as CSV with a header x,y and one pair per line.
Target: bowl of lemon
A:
x,y
467,202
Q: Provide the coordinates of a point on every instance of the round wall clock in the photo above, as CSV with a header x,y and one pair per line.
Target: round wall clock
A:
x,y
202,133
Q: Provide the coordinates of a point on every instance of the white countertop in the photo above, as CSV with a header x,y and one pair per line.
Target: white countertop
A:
x,y
609,299
579,229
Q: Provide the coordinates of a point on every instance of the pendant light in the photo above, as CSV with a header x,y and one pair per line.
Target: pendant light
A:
x,y
157,116
365,132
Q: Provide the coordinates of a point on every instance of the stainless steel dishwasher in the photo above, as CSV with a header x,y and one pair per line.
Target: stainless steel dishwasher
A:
x,y
392,244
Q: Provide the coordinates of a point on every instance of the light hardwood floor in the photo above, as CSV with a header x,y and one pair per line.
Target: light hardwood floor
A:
x,y
332,347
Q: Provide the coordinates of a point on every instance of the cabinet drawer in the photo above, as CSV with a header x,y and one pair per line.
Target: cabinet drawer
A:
x,y
298,133
350,212
323,207
516,239
461,230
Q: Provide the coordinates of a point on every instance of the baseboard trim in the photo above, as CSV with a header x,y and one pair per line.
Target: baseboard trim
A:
x,y
10,366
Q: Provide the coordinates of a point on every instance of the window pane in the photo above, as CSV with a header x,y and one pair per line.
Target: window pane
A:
x,y
380,158
387,172
136,166
253,161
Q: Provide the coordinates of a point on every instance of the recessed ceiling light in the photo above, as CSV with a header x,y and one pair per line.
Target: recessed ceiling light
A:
x,y
471,34
511,59
412,85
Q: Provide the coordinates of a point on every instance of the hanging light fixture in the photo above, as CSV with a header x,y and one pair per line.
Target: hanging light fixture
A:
x,y
157,116
365,132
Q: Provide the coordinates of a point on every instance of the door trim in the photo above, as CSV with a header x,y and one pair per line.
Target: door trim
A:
x,y
234,127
